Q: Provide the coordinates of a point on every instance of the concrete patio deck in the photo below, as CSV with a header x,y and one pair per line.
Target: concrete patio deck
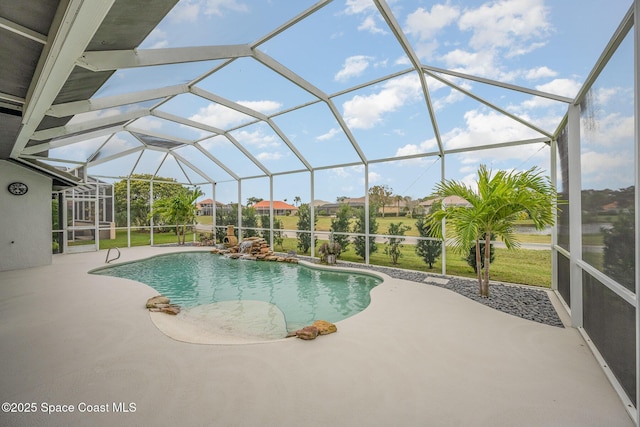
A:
x,y
418,355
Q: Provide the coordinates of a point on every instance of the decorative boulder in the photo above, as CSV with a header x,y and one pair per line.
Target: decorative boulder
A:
x,y
155,301
171,309
325,327
307,333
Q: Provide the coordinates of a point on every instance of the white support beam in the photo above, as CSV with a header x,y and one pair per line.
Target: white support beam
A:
x,y
393,24
489,104
77,107
22,31
575,216
636,137
274,65
250,156
346,130
115,156
111,60
617,38
74,128
72,30
499,145
153,134
71,139
187,122
516,88
192,167
216,161
11,98
228,103
289,144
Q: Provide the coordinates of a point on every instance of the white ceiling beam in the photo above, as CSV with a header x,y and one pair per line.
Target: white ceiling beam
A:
x,y
274,65
499,145
611,48
293,21
111,60
72,139
491,82
115,156
246,152
73,128
187,122
22,31
228,103
347,131
191,166
72,30
216,161
12,98
393,24
153,134
489,104
289,144
77,107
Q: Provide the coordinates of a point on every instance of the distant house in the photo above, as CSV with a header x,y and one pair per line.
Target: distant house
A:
x,y
448,201
332,208
205,207
279,208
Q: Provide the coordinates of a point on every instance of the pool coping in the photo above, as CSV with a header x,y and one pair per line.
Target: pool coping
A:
x,y
180,328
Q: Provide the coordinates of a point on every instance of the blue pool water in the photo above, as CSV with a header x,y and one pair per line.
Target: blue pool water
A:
x,y
303,294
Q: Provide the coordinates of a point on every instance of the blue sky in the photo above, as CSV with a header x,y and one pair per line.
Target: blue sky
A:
x,y
549,46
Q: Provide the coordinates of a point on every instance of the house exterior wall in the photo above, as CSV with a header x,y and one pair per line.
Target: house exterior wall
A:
x,y
25,221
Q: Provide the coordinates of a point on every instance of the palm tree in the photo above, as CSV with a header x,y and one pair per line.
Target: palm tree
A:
x,y
492,211
180,209
296,200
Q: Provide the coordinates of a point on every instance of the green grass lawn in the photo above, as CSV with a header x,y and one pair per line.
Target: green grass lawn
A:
x,y
324,224
141,238
530,267
523,266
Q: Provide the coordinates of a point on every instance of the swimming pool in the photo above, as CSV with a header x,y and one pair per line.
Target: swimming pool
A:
x,y
303,294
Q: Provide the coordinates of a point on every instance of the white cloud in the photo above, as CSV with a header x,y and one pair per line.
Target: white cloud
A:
x,y
540,73
482,63
190,10
408,150
219,116
606,170
218,7
425,25
611,131
369,24
264,106
158,39
359,6
269,155
365,112
562,87
147,123
483,128
329,135
159,44
373,178
506,24
366,8
185,11
353,66
256,139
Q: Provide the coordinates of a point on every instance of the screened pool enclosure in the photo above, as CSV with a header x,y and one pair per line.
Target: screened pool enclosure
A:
x,y
311,103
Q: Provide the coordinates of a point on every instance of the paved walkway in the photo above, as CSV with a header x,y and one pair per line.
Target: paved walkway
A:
x,y
419,355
